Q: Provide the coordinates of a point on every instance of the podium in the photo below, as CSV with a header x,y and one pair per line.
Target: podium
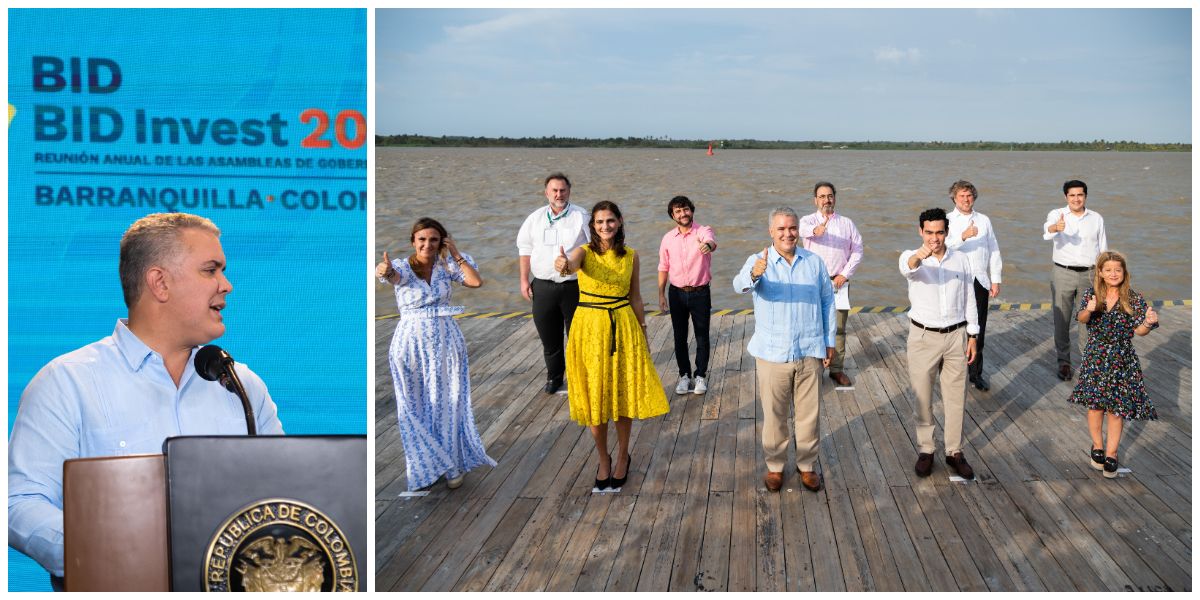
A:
x,y
220,513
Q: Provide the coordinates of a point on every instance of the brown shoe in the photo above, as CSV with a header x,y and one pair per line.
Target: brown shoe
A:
x,y
1064,372
960,466
924,464
840,379
811,480
773,480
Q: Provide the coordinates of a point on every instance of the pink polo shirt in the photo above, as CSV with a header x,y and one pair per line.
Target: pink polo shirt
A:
x,y
679,255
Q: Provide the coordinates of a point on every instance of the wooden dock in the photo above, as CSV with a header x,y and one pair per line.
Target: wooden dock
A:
x,y
695,515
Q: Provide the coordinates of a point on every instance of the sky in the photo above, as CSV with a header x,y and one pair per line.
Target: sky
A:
x,y
1014,75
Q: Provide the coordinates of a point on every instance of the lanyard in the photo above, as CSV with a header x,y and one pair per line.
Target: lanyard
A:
x,y
550,218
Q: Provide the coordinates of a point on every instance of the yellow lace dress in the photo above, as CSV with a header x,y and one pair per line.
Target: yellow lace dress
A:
x,y
607,381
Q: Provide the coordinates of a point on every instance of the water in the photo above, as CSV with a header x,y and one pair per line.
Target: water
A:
x,y
482,196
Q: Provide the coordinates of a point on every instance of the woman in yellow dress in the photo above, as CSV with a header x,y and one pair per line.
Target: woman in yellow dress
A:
x,y
609,371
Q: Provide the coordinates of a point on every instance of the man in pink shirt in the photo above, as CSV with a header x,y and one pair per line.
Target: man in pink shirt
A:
x,y
836,240
684,261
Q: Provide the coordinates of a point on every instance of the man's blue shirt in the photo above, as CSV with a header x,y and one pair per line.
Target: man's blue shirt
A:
x,y
110,398
794,314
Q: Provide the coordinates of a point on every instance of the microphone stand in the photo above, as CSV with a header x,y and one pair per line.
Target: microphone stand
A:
x,y
230,380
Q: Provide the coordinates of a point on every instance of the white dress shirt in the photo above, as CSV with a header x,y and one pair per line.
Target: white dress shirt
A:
x,y
542,234
941,292
982,248
1081,241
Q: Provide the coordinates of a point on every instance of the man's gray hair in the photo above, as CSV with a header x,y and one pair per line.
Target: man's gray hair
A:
x,y
152,241
781,210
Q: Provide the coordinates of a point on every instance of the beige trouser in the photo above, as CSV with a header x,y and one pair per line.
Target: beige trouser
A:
x,y
929,352
796,383
839,353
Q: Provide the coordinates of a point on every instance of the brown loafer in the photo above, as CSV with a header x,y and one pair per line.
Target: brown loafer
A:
x,y
924,464
773,480
840,379
811,480
959,464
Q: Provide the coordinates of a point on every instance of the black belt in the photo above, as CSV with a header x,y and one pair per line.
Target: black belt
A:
x,y
1076,269
614,303
690,288
941,329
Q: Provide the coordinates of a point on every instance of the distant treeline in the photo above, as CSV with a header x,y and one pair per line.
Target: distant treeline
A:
x,y
459,141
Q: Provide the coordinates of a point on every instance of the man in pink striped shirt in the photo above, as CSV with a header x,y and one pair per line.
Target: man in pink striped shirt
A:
x,y
684,261
836,240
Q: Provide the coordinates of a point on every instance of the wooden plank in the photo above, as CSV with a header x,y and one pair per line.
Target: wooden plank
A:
x,y
511,569
630,556
495,548
713,573
575,553
546,558
656,569
597,567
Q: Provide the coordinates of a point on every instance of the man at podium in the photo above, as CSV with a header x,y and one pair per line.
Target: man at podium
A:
x,y
128,392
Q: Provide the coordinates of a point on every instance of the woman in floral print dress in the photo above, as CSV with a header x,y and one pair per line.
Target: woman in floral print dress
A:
x,y
428,357
1110,379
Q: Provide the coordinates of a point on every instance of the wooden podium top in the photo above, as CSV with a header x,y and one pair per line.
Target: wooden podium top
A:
x,y
115,524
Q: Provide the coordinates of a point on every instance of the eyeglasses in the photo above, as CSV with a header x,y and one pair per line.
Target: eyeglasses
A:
x,y
826,196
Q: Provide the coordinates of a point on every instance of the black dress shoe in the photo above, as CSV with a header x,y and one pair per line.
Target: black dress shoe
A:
x,y
552,385
980,383
959,464
1097,459
1064,372
617,482
924,464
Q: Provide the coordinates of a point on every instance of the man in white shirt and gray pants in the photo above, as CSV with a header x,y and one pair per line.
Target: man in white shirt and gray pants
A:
x,y
547,232
1078,236
941,290
971,233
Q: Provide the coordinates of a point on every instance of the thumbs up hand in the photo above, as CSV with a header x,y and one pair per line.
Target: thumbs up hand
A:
x,y
760,266
561,264
384,269
1151,316
1091,305
819,230
971,231
704,247
1061,224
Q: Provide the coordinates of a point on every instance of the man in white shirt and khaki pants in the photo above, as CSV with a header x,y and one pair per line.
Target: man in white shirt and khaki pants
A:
x,y
941,290
1078,236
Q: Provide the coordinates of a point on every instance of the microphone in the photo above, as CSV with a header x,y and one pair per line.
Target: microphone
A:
x,y
214,364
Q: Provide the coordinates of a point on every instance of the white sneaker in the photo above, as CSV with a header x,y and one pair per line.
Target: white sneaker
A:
x,y
682,386
701,386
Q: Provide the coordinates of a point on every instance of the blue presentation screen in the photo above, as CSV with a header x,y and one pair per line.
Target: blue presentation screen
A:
x,y
255,119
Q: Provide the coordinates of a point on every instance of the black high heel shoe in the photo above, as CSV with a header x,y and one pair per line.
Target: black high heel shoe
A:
x,y
617,482
604,484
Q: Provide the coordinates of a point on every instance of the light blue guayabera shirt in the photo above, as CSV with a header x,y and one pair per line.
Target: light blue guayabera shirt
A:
x,y
794,314
109,398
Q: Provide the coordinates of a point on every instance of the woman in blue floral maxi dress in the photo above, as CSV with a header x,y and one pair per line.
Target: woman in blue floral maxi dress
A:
x,y
428,358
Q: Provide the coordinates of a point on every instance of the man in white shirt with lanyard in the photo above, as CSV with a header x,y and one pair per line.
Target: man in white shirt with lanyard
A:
x,y
548,231
971,233
941,290
1078,236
